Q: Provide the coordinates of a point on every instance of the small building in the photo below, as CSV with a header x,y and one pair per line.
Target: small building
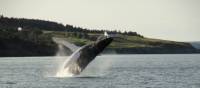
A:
x,y
19,28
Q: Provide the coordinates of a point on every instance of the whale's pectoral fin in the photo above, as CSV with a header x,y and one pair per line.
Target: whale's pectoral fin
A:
x,y
65,46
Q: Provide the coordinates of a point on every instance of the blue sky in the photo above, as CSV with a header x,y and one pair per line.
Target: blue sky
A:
x,y
177,20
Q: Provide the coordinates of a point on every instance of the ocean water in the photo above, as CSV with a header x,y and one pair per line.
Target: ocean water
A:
x,y
106,71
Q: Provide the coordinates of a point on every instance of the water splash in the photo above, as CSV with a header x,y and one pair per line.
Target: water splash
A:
x,y
62,58
64,73
64,70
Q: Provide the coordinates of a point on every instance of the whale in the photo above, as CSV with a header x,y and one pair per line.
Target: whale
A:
x,y
79,60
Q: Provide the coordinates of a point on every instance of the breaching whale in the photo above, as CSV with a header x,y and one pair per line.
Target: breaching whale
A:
x,y
78,61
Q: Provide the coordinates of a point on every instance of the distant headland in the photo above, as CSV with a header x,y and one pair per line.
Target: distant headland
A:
x,y
33,37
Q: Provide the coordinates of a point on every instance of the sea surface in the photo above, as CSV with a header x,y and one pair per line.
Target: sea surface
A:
x,y
106,71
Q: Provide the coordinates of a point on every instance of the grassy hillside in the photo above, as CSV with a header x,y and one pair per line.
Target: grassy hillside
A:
x,y
35,39
130,44
121,41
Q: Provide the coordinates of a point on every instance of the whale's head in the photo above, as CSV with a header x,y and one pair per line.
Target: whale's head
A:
x,y
102,43
93,49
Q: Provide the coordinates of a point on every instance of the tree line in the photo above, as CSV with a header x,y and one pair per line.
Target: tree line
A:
x,y
33,24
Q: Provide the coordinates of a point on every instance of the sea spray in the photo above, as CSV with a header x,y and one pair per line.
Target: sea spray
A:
x,y
61,58
64,69
57,60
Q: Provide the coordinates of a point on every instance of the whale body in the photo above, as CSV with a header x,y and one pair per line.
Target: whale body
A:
x,y
78,61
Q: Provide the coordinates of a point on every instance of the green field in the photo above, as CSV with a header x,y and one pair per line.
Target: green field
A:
x,y
121,41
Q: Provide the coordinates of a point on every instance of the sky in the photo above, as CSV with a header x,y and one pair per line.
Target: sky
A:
x,y
177,20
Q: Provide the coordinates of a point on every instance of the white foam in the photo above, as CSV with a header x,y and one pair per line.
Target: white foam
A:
x,y
64,68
